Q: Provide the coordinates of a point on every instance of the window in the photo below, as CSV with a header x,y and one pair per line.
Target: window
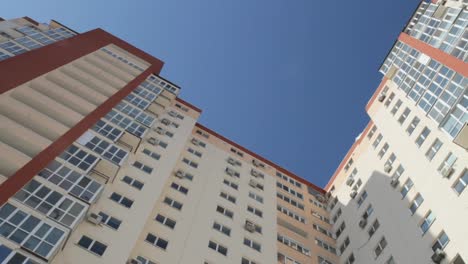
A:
x,y
337,215
398,172
142,167
321,217
132,182
190,163
289,213
194,152
228,197
289,190
322,230
427,221
107,130
237,152
417,201
197,142
412,126
340,229
348,165
165,221
344,245
288,179
391,159
4,56
441,241
103,148
176,115
283,259
110,221
377,141
8,256
151,154
389,100
230,184
458,260
71,181
172,203
79,158
461,182
383,150
232,172
137,101
255,211
293,244
447,165
217,247
255,184
122,200
224,211
252,244
422,137
362,198
380,247
256,197
35,34
406,187
432,151
126,123
390,260
222,228
396,107
404,116
12,47
325,246
91,245
368,212
179,188
372,132
30,232
145,93
373,228
156,241
290,201
51,203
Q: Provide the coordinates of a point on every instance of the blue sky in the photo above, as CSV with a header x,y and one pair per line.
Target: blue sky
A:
x,y
288,79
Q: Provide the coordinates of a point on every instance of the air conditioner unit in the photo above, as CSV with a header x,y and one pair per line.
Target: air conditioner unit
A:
x,y
133,261
320,198
353,194
254,173
256,163
362,223
382,97
159,130
438,256
249,226
388,168
349,181
195,141
446,171
253,183
231,161
153,141
394,182
94,218
166,121
173,114
230,172
180,174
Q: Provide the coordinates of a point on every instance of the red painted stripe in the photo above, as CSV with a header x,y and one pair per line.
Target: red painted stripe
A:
x,y
188,105
377,92
43,60
277,167
448,60
29,65
348,155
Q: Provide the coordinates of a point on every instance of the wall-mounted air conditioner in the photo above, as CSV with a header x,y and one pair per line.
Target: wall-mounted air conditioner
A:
x,y
256,163
94,218
231,161
381,97
159,130
153,141
166,121
388,168
195,141
438,256
394,182
446,171
362,223
253,183
180,174
353,194
349,181
249,226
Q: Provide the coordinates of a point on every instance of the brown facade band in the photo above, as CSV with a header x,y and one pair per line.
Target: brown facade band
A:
x,y
29,65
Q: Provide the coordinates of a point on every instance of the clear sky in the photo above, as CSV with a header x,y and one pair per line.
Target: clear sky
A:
x,y
288,79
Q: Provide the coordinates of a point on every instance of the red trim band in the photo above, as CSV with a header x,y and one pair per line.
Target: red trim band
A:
x,y
188,105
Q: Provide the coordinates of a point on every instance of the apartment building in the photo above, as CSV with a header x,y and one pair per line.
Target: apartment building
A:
x,y
102,162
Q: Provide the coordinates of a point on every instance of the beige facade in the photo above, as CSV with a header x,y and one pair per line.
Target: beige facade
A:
x,y
145,183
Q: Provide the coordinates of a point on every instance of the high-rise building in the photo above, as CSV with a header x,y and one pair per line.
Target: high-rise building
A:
x,y
102,162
